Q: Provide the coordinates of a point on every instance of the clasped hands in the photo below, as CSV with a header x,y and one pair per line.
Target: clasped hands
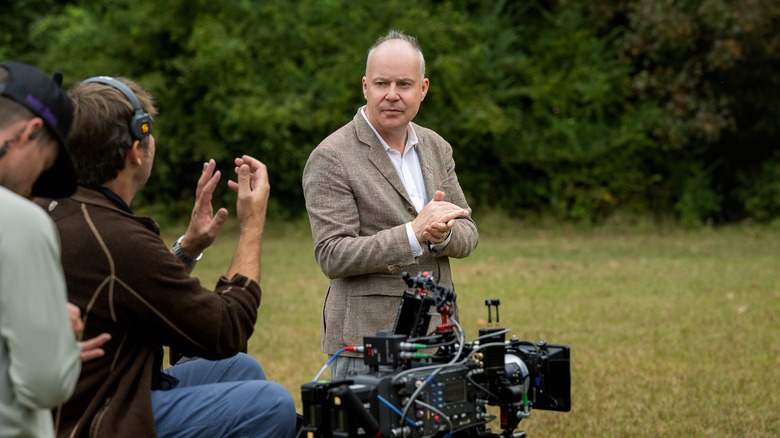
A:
x,y
435,221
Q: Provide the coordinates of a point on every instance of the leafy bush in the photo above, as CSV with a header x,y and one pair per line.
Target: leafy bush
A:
x,y
575,110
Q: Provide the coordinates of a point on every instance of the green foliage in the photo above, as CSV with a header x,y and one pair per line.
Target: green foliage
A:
x,y
16,43
762,203
708,65
565,109
698,199
539,122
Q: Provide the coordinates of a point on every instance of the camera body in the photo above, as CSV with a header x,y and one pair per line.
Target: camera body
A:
x,y
411,391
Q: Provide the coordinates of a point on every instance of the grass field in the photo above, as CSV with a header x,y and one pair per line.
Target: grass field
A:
x,y
672,332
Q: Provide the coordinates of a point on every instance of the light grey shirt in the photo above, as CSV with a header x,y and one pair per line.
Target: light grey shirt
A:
x,y
39,355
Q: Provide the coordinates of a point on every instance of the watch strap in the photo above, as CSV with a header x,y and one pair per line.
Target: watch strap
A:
x,y
189,261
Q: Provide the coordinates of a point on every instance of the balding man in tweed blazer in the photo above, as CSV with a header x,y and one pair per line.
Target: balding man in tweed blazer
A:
x,y
383,198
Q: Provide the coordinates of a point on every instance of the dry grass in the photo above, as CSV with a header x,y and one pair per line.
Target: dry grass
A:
x,y
672,333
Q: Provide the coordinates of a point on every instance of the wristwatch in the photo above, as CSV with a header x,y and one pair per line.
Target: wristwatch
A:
x,y
189,261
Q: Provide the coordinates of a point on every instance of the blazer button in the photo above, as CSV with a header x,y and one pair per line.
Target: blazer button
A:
x,y
410,209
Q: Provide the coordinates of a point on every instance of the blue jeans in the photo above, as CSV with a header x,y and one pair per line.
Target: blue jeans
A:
x,y
343,367
223,398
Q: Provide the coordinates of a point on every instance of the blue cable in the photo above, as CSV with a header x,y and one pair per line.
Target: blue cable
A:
x,y
396,410
330,361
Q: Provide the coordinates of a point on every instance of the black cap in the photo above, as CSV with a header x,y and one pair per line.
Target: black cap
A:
x,y
43,95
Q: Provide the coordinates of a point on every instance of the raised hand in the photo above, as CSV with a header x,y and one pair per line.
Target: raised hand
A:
x,y
253,189
204,224
253,192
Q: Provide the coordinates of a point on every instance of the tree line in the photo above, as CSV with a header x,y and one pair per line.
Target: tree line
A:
x,y
555,108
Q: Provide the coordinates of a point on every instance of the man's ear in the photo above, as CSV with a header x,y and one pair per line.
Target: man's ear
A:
x,y
135,154
32,129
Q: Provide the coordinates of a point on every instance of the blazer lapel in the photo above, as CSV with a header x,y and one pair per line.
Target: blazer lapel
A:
x,y
426,166
378,156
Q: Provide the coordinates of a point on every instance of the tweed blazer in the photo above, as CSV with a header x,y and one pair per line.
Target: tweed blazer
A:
x,y
358,209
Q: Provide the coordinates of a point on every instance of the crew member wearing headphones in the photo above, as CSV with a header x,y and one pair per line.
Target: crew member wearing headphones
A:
x,y
128,283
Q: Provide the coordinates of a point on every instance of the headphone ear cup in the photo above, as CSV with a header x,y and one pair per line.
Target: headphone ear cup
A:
x,y
140,125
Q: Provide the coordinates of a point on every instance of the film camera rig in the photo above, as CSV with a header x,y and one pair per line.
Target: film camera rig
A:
x,y
436,384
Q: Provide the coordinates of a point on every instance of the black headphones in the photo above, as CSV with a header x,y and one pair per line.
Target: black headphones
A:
x,y
141,123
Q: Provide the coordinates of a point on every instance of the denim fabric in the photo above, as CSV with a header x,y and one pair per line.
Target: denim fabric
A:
x,y
344,366
223,398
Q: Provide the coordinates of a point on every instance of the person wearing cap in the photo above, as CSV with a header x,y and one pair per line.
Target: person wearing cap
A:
x,y
39,356
130,284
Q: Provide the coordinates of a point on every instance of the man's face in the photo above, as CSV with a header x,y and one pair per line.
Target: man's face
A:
x,y
393,87
27,159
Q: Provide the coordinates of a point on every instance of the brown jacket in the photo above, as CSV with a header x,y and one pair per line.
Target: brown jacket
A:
x,y
358,209
128,283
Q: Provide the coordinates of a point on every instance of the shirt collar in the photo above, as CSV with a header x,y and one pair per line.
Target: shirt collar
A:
x,y
113,197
